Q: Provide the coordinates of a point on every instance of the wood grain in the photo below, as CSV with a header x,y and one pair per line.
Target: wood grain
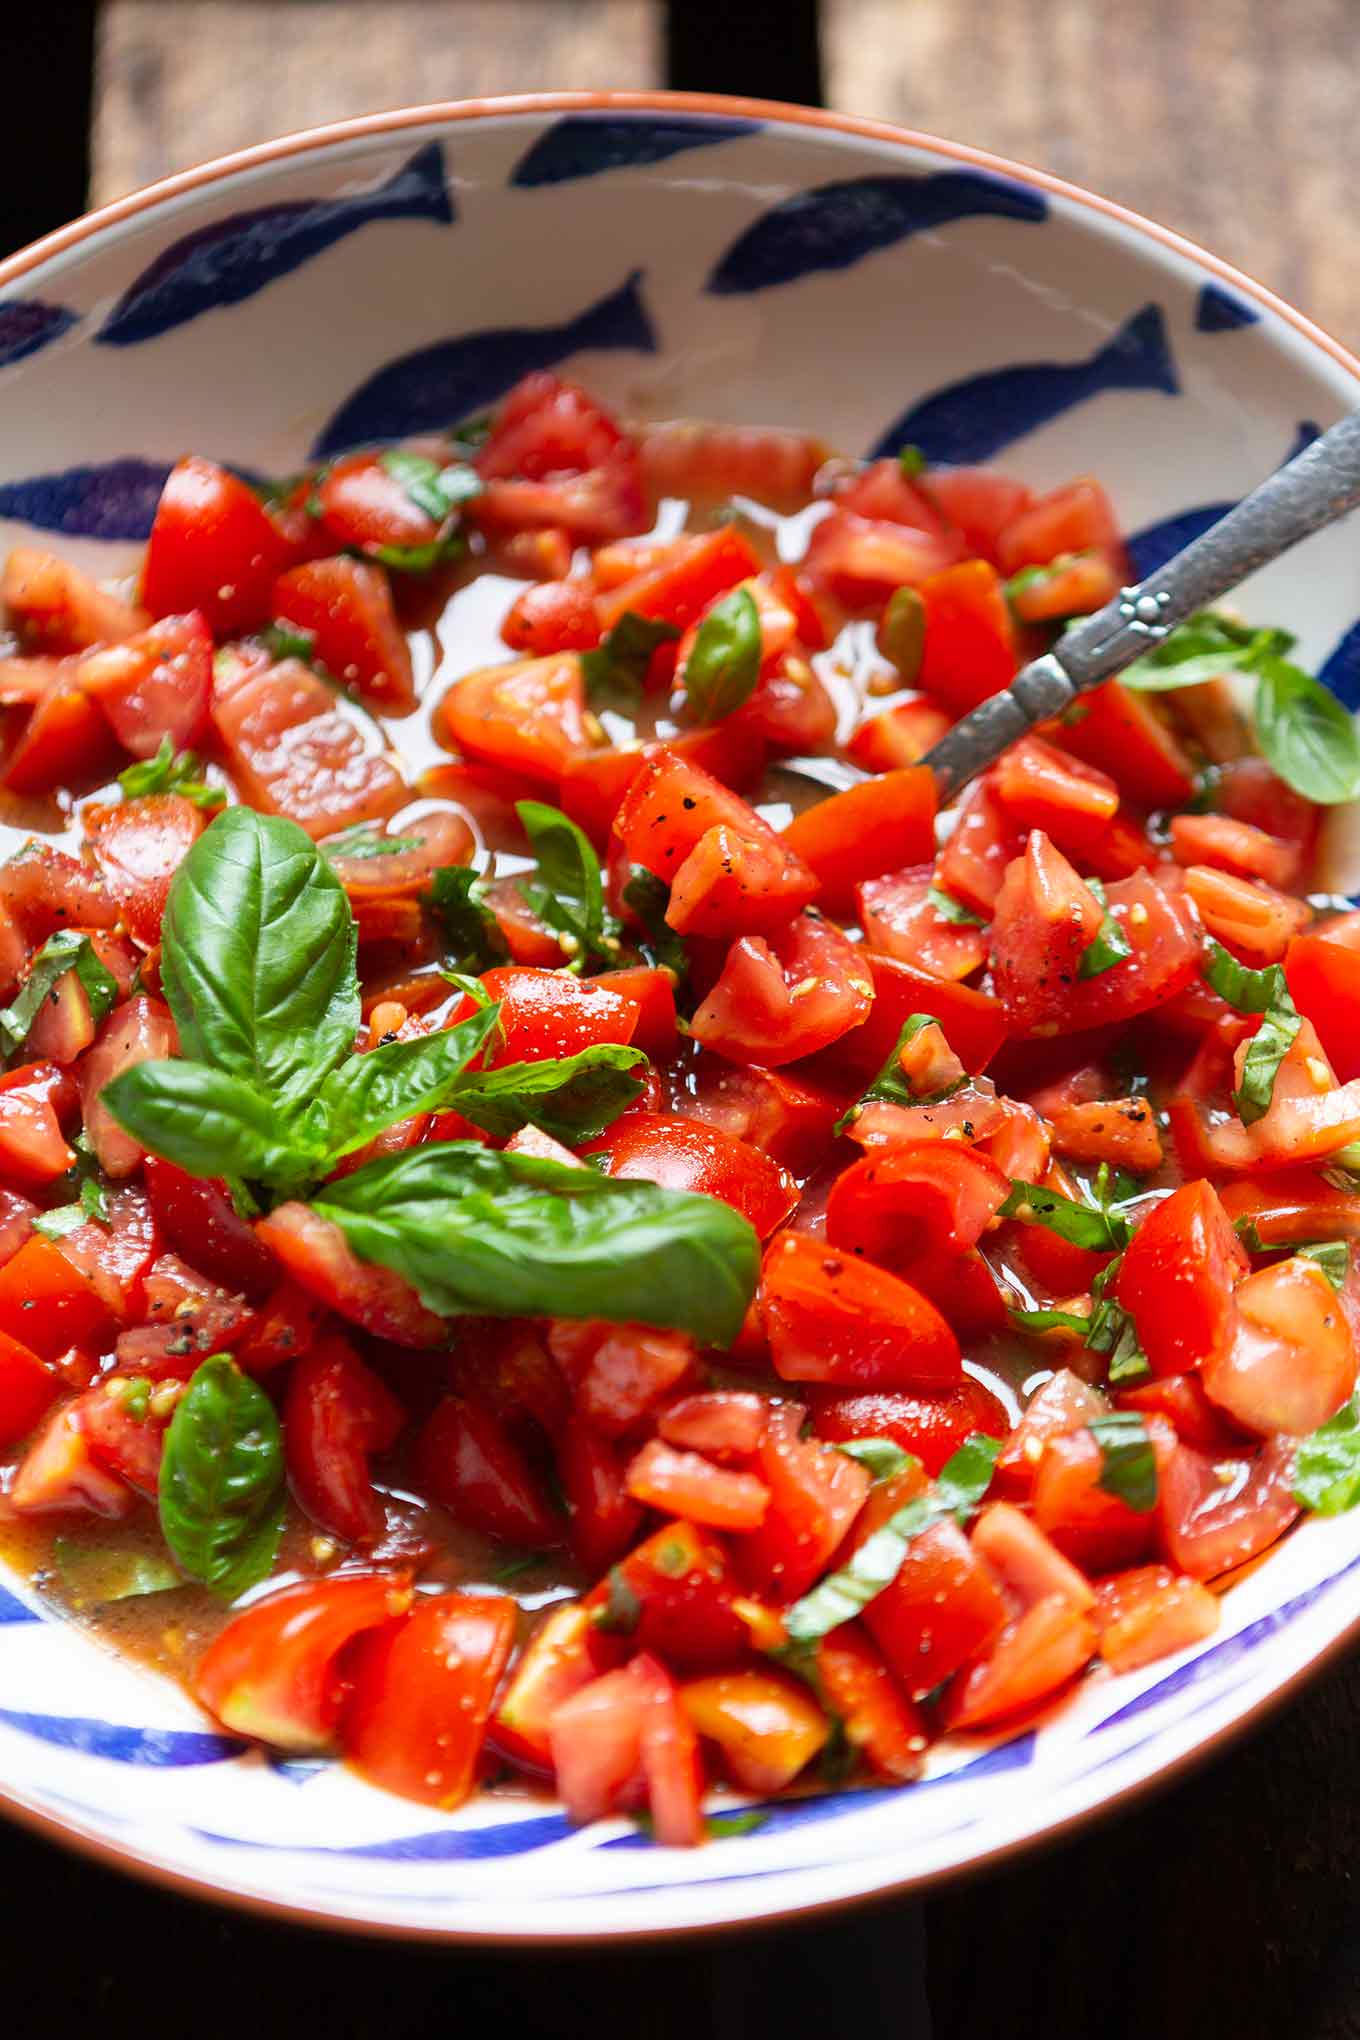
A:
x,y
180,81
1229,120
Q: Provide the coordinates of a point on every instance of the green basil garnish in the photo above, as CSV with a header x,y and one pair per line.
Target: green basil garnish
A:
x,y
1096,1221
618,664
1307,734
649,896
1129,1470
1109,946
457,899
1205,647
1327,1464
890,1087
221,1482
60,953
437,490
573,1097
95,1577
950,909
1255,991
568,895
879,1457
724,664
1332,1256
363,841
170,771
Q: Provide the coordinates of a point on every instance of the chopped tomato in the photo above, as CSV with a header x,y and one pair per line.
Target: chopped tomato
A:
x,y
771,1110
915,1201
624,1739
1038,1651
979,849
832,1318
723,1423
1071,1504
316,1253
54,607
603,1517
682,1581
272,1673
686,1484
552,616
1324,978
549,1013
28,1387
860,561
59,1473
682,580
780,999
1177,1279
364,507
1120,731
155,685
941,1609
423,1690
932,1427
1290,1362
1214,1513
662,1148
1078,517
881,825
1149,1613
899,736
970,649
816,1493
345,606
467,1460
295,749
982,505
33,1148
766,1726
139,845
876,1717
973,1022
900,919
215,548
337,1413
527,716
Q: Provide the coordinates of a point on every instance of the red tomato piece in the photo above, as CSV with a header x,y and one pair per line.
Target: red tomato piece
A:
x,y
561,1657
548,1013
779,1114
66,740
686,1484
295,749
816,1493
908,1203
1255,921
466,1459
1026,1562
198,1218
684,457
1099,1531
899,920
830,1317
932,1427
724,1423
1119,731
317,1255
1062,1405
1181,1399
593,786
981,504
881,825
681,1154
59,1472
604,1518
878,1720
672,805
733,884
979,849
861,561
973,1022
1177,1279
54,607
653,993
766,1726
628,1731
33,1148
682,1582
423,1690
1036,1654
365,508
1290,1362
1149,1613
785,997
619,1373
1324,978
941,1609
139,1030
28,1387
899,736
272,1673
155,685
1291,1206
214,548
139,845
552,616
682,580
346,606
1078,517
1216,1513
337,1412
970,650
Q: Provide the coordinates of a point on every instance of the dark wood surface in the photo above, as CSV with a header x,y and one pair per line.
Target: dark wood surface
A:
x,y
1227,1906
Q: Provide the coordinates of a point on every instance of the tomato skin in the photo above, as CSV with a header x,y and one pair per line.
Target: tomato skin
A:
x,y
214,548
653,993
593,786
139,845
347,606
423,1692
686,1484
296,750
66,740
1291,1360
672,804
619,1373
626,1737
1064,1404
779,1114
899,736
931,1427
1178,1276
683,1582
816,1494
970,651
317,1255
899,920
137,1031
48,1305
364,507
1208,1525
54,607
974,1023
681,1154
604,1518
860,561
785,997
981,504
1290,1206
33,1148
1121,734
272,1674
1039,1651
552,616
766,1725
546,1014
829,1317
682,580
925,1199
337,1412
198,1218
1324,978
566,1653
943,1607
1098,1531
1149,1613
881,825
466,1459
28,1388
1078,517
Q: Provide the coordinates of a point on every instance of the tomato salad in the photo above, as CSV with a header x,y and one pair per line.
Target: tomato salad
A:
x,y
558,1224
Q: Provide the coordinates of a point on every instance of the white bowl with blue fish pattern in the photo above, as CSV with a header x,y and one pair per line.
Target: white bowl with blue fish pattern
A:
x,y
681,257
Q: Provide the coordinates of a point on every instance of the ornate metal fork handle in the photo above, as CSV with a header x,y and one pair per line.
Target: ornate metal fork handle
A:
x,y
1312,491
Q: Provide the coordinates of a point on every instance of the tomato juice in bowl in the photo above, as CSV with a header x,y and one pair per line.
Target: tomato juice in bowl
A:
x,y
926,1238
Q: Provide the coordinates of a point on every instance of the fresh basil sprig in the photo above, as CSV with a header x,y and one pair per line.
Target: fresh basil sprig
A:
x,y
221,1481
170,771
1255,991
618,664
1129,1464
92,1576
62,952
960,1485
572,1097
90,1206
1204,647
568,894
1327,1464
289,641
879,1457
724,663
495,1233
440,492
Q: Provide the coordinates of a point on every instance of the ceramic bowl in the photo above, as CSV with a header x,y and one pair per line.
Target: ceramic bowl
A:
x,y
679,256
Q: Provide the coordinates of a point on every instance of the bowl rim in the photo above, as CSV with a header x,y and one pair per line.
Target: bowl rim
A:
x,y
70,1831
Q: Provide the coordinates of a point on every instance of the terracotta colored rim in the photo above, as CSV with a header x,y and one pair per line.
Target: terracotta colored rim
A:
x,y
98,1848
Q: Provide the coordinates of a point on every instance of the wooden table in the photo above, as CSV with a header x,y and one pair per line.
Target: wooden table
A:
x,y
1226,1907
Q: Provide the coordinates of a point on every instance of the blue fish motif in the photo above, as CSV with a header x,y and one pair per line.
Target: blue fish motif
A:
x,y
234,258
12,1609
154,1748
972,420
584,144
440,1845
117,500
1155,544
1340,670
28,324
1219,311
436,386
834,225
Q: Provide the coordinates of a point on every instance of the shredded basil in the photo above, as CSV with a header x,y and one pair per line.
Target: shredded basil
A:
x,y
890,1087
1109,946
1255,991
618,664
1130,1464
65,951
1327,1464
170,771
568,895
950,909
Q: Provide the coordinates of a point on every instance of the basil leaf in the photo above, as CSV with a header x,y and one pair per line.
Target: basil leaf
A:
x,y
457,899
912,461
718,1826
649,897
1130,1465
724,664
950,909
878,1456
289,641
373,1091
510,1234
1332,1256
257,958
901,634
170,771
890,1087
221,1484
1327,1464
1101,1226
569,895
1244,989
61,952
1109,946
210,1123
1114,1332
618,664
94,1577
1205,647
1049,1321
962,1482
1255,991
90,1206
524,1562
93,1202
438,491
1307,734
365,841
573,1098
